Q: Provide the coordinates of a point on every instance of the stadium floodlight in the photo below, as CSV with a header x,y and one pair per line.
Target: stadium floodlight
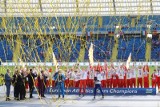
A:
x,y
53,27
148,26
117,27
149,35
117,35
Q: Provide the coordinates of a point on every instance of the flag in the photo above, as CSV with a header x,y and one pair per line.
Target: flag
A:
x,y
110,33
54,60
144,33
90,55
128,61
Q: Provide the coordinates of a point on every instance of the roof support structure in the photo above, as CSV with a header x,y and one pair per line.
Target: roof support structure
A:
x,y
114,6
40,4
77,6
5,6
107,8
151,6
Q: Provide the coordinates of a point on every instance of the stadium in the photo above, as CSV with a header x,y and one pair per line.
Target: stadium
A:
x,y
111,37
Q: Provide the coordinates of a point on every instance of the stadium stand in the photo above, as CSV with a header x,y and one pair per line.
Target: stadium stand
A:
x,y
103,45
134,45
155,50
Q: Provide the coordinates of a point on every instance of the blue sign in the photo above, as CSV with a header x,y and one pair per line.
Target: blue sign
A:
x,y
107,91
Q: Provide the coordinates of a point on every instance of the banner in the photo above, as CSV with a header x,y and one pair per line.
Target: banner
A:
x,y
107,91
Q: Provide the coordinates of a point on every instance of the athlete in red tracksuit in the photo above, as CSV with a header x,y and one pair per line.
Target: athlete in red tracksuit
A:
x,y
109,78
83,79
154,79
91,78
133,78
146,77
140,76
128,77
125,71
121,78
77,79
46,73
115,79
66,82
158,79
103,81
71,78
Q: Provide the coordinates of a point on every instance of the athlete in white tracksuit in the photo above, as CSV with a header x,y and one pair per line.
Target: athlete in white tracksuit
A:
x,y
97,80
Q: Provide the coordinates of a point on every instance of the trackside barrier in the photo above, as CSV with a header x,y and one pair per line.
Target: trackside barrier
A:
x,y
107,91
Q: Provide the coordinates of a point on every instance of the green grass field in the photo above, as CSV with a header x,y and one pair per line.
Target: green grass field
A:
x,y
3,70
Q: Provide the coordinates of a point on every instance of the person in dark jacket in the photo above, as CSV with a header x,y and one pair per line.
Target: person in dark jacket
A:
x,y
23,86
8,80
44,82
14,83
41,84
19,87
31,78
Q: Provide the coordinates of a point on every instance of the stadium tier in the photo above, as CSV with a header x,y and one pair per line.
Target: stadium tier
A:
x,y
52,25
134,45
102,48
99,30
34,51
155,51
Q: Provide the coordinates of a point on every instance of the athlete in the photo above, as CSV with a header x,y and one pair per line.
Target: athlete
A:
x,y
97,80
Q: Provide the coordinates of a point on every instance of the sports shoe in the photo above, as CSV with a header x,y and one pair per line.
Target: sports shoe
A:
x,y
44,96
94,97
8,99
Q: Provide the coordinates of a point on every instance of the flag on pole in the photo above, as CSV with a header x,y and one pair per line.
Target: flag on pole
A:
x,y
90,55
54,60
128,61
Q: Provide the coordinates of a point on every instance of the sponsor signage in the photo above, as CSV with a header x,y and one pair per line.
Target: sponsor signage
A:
x,y
107,91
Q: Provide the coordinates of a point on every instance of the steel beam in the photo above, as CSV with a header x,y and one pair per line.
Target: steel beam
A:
x,y
114,6
5,6
151,6
40,4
